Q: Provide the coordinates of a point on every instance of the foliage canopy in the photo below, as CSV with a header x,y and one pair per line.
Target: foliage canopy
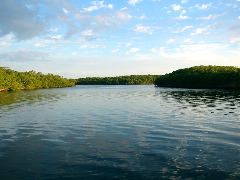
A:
x,y
224,77
120,80
13,80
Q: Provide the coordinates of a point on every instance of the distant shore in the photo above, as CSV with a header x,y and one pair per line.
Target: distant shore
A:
x,y
202,77
118,80
198,77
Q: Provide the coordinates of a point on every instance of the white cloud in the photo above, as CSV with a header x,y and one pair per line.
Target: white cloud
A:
x,y
235,40
198,54
24,55
7,40
183,15
187,41
123,15
176,7
170,41
110,6
200,31
134,2
133,51
88,34
142,17
65,11
96,5
56,37
209,17
128,44
203,6
91,46
104,20
39,44
158,50
184,1
143,29
185,28
54,30
115,51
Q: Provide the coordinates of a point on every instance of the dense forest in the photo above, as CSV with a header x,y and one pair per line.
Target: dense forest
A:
x,y
120,80
224,77
12,80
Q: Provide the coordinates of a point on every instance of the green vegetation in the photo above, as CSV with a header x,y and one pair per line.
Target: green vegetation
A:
x,y
120,80
223,77
12,80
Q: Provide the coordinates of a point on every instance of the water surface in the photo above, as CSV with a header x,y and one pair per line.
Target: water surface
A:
x,y
120,132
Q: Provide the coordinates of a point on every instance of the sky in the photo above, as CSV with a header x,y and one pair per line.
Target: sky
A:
x,y
82,38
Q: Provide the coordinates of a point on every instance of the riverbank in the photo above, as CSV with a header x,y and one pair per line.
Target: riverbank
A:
x,y
202,77
118,80
11,80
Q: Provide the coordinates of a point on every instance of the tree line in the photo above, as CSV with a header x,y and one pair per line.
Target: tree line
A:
x,y
12,80
227,77
224,77
119,80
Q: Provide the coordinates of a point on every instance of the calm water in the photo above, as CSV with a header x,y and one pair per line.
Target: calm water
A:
x,y
120,132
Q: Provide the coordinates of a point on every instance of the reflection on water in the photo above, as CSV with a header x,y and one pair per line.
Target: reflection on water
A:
x,y
120,132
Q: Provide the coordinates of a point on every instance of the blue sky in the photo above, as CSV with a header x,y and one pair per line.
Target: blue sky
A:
x,y
79,38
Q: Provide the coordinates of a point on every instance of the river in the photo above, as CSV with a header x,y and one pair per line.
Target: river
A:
x,y
120,132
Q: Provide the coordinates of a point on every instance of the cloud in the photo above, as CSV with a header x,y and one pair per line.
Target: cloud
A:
x,y
123,15
176,7
24,56
183,15
89,34
96,5
7,40
102,22
115,51
134,2
133,50
91,46
171,40
183,29
17,18
235,40
143,29
234,33
200,31
65,11
203,6
192,54
56,37
26,20
144,17
210,17
187,41
128,44
184,1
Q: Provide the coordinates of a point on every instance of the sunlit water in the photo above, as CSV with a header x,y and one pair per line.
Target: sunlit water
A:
x,y
120,132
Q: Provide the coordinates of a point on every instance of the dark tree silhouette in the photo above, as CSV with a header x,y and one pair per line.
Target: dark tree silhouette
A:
x,y
224,77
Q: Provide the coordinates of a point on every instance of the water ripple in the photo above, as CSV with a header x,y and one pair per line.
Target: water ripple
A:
x,y
120,132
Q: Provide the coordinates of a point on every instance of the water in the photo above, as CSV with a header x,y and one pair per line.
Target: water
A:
x,y
120,132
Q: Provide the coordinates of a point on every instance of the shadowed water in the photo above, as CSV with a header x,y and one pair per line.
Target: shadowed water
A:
x,y
120,132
